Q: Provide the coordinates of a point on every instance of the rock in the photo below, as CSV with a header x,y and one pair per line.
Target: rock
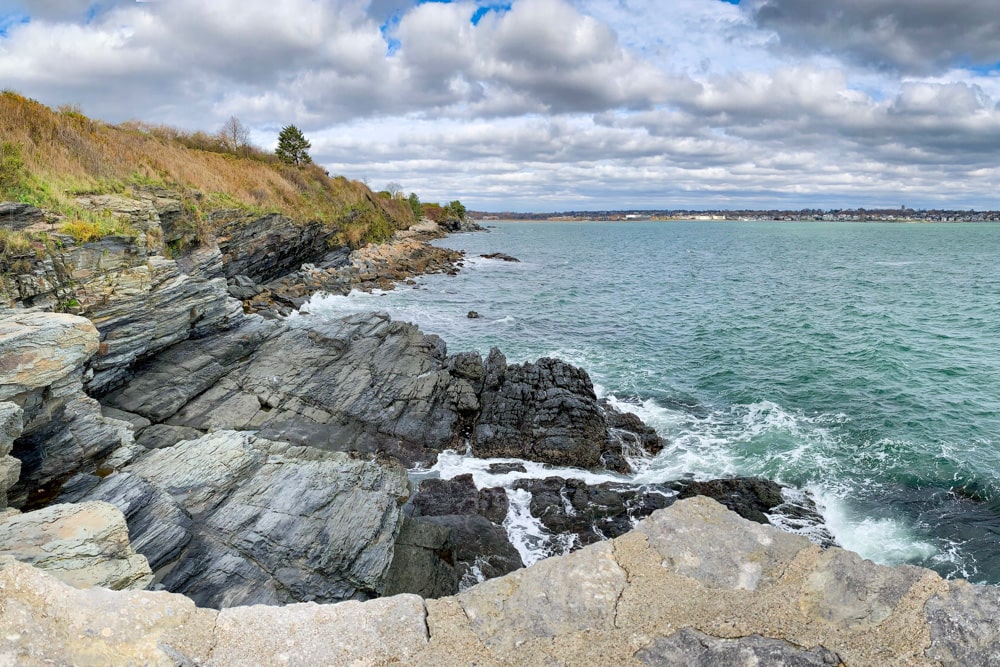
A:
x,y
39,349
750,497
694,584
17,216
138,422
234,519
243,288
363,383
696,649
266,247
174,377
582,514
83,545
440,555
629,435
500,256
42,356
459,495
11,424
164,435
46,622
545,411
473,315
504,468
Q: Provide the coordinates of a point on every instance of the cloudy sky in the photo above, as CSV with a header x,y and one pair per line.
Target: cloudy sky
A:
x,y
552,105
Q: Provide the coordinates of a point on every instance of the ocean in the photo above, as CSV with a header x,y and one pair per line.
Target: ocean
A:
x,y
857,362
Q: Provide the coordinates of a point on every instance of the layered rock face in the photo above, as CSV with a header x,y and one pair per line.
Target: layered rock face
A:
x,y
58,428
694,584
368,384
232,519
139,300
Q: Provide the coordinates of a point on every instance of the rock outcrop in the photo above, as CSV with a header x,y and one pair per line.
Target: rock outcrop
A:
x,y
694,584
232,519
82,545
368,384
58,430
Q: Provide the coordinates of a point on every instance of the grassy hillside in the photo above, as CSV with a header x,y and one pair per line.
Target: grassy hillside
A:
x,y
49,157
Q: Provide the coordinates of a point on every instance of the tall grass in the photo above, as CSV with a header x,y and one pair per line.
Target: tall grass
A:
x,y
49,157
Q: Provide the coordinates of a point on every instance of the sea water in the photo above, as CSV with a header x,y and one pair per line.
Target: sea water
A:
x,y
857,362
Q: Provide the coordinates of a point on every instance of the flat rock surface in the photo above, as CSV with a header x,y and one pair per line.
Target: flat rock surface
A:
x,y
640,599
37,349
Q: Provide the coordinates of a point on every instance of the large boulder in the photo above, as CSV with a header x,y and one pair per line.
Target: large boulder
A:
x,y
83,545
233,519
546,411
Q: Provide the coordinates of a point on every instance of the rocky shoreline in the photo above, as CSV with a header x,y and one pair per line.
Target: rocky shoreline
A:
x,y
179,434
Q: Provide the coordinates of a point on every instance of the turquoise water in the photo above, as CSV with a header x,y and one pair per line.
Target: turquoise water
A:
x,y
857,361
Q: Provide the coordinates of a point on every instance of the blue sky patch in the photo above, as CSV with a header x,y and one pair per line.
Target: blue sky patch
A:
x,y
482,11
12,21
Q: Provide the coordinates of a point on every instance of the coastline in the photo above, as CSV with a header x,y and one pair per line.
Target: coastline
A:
x,y
250,398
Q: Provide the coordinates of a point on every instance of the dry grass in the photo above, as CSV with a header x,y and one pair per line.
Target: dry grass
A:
x,y
48,157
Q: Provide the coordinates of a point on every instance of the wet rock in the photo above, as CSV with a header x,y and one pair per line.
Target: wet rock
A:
x,y
500,256
504,468
545,411
234,519
436,556
588,514
459,495
629,435
750,497
83,545
473,315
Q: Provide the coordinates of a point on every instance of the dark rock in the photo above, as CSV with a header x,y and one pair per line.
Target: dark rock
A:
x,y
629,435
158,436
459,495
473,315
692,648
750,497
437,556
16,216
243,288
545,411
504,468
591,513
266,247
501,256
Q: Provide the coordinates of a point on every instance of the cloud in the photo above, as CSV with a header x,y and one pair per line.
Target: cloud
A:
x,y
917,36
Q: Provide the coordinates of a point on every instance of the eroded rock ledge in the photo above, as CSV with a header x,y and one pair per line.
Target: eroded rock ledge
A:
x,y
694,584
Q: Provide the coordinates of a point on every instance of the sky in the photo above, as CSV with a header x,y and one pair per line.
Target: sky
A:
x,y
557,105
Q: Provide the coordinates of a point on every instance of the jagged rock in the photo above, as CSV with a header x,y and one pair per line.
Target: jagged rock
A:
x,y
83,545
234,519
363,383
138,422
750,497
440,555
459,495
589,514
545,411
630,434
266,247
174,377
41,371
500,256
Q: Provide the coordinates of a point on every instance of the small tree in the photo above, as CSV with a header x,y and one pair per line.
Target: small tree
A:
x,y
456,209
293,146
418,210
235,135
394,189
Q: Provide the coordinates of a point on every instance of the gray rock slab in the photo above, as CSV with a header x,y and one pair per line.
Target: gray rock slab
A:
x,y
691,648
83,545
964,629
159,436
37,349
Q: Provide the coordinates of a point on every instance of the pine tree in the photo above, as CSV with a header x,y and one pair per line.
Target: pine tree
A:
x,y
293,146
